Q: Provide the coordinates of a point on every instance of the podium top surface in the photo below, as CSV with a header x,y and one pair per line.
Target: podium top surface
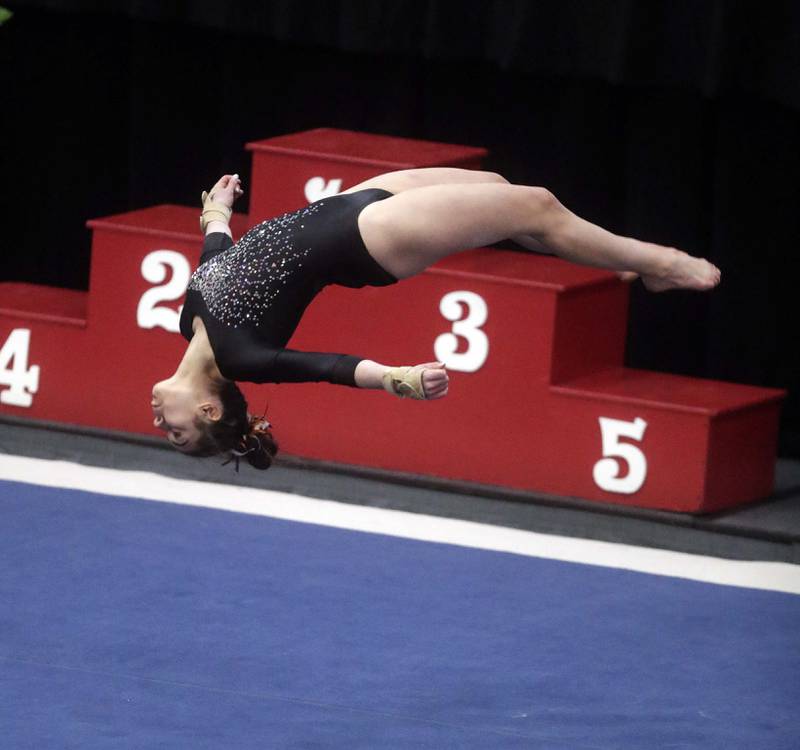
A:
x,y
167,220
39,302
700,396
367,148
542,272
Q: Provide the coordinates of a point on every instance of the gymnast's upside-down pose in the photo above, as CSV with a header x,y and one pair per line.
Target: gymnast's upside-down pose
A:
x,y
245,299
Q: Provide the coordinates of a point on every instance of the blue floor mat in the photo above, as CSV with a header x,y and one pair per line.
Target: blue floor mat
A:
x,y
139,624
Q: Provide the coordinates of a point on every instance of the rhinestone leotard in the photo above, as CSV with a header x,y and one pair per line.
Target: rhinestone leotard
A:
x,y
252,294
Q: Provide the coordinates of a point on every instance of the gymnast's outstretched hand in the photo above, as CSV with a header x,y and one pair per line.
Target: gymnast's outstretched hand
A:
x,y
430,376
226,190
434,379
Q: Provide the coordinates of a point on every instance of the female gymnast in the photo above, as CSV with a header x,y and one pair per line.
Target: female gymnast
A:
x,y
245,299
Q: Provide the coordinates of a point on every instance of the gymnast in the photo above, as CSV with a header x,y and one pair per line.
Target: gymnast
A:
x,y
245,299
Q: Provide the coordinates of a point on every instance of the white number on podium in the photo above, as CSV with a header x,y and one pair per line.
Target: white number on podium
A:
x,y
21,380
316,188
446,346
607,469
154,270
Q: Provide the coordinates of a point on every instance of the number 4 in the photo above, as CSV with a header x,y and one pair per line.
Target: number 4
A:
x,y
21,380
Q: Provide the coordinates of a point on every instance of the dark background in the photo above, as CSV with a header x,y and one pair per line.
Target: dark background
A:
x,y
675,122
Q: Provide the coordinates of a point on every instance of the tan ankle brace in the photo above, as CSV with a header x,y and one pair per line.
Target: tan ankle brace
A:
x,y
403,382
213,211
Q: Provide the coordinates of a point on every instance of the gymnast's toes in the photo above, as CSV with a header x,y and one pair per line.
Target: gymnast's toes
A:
x,y
685,272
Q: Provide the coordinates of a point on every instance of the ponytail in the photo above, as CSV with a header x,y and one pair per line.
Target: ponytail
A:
x,y
257,445
237,434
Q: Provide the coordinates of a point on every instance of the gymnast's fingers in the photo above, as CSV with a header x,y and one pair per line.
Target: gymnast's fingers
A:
x,y
435,374
433,385
436,395
221,183
432,377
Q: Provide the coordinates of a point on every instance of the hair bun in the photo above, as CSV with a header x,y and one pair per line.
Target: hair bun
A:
x,y
258,445
261,443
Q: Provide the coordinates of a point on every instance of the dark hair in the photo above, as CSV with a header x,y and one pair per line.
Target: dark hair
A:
x,y
236,434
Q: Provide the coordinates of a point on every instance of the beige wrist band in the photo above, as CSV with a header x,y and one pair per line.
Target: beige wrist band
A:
x,y
213,212
404,382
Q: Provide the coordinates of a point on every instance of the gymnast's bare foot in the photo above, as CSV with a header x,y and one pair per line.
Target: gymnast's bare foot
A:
x,y
683,271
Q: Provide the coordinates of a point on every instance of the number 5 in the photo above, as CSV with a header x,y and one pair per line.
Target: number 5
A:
x,y
606,470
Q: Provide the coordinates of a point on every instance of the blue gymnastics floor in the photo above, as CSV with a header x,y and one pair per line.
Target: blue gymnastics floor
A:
x,y
133,624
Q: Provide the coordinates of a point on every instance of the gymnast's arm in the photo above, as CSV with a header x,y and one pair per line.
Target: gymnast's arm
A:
x,y
215,242
344,369
264,365
219,227
260,364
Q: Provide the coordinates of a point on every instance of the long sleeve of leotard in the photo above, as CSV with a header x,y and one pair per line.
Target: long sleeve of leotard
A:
x,y
213,244
265,365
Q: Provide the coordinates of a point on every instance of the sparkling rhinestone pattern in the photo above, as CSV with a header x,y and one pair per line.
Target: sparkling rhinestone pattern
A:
x,y
239,284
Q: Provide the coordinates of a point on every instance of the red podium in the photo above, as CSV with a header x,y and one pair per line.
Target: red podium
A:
x,y
539,396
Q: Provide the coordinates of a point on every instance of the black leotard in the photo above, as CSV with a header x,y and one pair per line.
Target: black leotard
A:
x,y
252,294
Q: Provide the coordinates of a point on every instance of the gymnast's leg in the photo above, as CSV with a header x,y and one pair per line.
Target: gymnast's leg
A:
x,y
409,179
418,227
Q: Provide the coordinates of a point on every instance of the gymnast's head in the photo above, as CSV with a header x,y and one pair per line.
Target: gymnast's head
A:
x,y
211,420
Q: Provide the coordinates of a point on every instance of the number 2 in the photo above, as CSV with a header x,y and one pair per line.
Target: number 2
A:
x,y
22,381
154,269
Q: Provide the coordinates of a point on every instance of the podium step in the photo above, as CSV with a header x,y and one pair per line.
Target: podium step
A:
x,y
43,303
690,444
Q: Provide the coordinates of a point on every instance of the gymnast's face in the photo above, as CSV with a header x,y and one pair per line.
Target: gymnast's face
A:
x,y
176,409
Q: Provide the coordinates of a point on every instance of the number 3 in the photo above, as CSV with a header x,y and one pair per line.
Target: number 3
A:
x,y
445,347
21,380
606,469
154,270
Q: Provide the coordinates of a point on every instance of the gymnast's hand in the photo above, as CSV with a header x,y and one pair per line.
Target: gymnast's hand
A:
x,y
434,379
226,190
